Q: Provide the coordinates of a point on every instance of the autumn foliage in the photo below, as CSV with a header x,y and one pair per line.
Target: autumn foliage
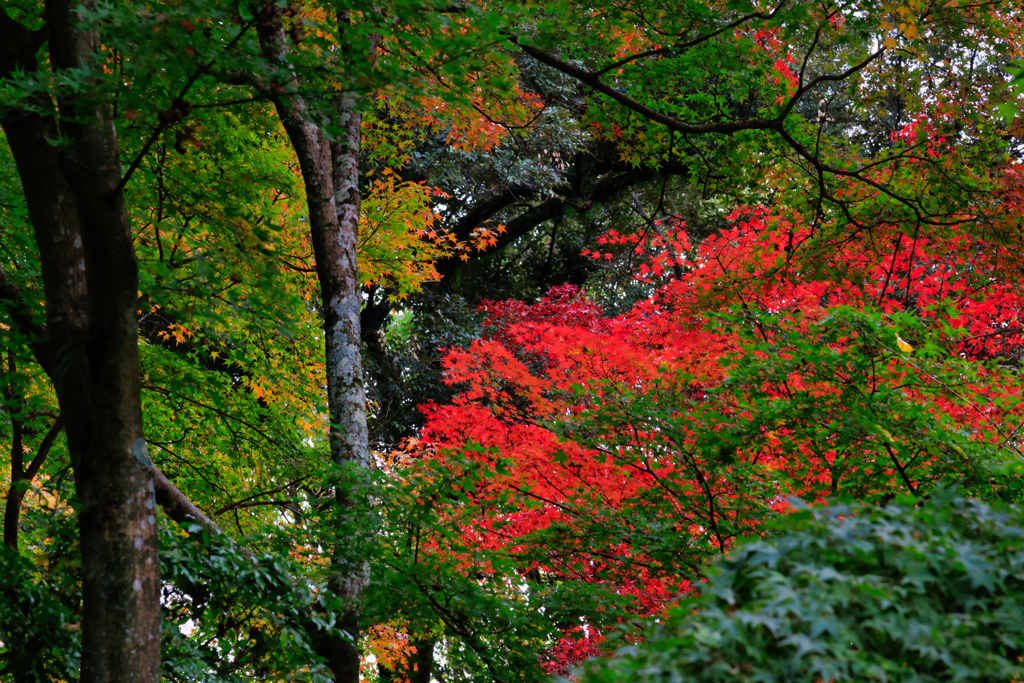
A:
x,y
626,452
618,285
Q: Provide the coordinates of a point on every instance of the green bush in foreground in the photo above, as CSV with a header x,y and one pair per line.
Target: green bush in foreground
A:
x,y
852,593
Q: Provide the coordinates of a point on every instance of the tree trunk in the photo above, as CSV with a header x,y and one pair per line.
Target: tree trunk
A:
x,y
331,174
345,392
90,281
346,395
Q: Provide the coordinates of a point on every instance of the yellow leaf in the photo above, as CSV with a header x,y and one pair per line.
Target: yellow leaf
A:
x,y
889,43
903,345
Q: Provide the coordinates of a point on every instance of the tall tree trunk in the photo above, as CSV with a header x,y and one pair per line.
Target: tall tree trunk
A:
x,y
331,174
345,391
90,281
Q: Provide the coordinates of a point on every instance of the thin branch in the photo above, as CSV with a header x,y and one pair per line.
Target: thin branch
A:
x,y
594,81
888,273
901,470
829,77
178,104
206,406
692,43
247,499
230,103
256,503
44,448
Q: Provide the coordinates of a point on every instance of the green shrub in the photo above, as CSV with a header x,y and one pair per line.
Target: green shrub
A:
x,y
852,593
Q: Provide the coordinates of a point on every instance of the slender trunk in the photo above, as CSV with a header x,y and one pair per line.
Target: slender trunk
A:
x,y
90,281
15,493
21,477
12,514
330,173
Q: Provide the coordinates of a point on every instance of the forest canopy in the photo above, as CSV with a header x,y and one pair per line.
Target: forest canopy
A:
x,y
466,341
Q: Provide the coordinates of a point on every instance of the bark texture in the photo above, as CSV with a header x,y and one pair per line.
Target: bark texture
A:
x,y
90,281
331,175
345,391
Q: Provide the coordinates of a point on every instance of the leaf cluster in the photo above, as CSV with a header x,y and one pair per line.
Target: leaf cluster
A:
x,y
851,593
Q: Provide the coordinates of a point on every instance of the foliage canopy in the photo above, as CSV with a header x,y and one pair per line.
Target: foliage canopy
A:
x,y
461,334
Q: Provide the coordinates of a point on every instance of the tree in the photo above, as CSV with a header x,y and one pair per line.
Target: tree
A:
x,y
857,167
739,92
591,455
189,343
71,171
329,159
70,166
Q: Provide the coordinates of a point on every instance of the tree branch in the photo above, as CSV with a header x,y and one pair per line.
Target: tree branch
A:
x,y
44,448
179,105
247,501
594,81
177,505
692,43
18,310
